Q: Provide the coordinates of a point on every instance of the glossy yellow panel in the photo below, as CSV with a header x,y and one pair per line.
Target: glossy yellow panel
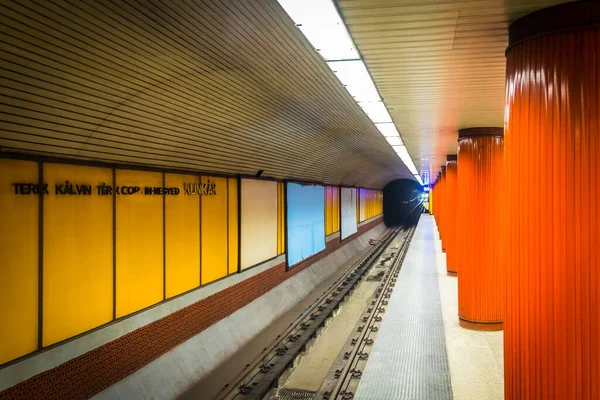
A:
x,y
233,224
214,230
331,210
78,251
280,218
336,209
328,210
18,260
182,236
139,242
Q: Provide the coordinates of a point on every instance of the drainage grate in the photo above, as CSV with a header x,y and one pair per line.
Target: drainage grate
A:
x,y
295,394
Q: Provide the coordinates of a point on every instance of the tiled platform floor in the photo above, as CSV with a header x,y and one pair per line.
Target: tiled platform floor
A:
x,y
420,351
475,358
408,359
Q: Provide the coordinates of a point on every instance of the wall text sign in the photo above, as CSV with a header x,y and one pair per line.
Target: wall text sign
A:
x,y
78,189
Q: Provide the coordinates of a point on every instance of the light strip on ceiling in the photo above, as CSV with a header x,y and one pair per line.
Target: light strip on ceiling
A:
x,y
320,22
418,178
387,129
394,140
354,76
324,28
376,111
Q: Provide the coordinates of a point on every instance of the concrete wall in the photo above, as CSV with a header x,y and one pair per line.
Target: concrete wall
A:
x,y
176,371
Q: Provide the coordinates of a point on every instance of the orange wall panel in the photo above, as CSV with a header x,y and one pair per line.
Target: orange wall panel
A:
x,y
78,252
139,243
18,261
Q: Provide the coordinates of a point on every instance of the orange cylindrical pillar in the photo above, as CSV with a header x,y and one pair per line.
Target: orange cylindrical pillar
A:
x,y
552,205
479,213
443,205
450,229
436,210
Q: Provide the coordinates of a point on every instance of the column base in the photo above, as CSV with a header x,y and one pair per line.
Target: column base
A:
x,y
480,326
452,273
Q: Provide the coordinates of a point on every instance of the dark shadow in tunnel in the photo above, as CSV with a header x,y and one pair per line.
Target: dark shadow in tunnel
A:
x,y
402,203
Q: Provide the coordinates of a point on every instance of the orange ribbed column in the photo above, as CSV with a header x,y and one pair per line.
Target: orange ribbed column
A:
x,y
479,234
552,177
436,193
451,228
442,207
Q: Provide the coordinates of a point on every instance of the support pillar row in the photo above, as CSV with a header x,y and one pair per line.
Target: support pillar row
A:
x,y
451,228
479,234
443,207
552,204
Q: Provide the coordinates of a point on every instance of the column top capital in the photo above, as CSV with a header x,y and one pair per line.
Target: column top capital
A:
x,y
484,131
577,15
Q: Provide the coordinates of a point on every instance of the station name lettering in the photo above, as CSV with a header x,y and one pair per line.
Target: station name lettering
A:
x,y
79,189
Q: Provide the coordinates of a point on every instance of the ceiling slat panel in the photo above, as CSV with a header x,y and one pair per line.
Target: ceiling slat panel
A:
x,y
438,64
226,87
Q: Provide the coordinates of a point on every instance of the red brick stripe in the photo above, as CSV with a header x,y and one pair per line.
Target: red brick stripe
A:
x,y
96,370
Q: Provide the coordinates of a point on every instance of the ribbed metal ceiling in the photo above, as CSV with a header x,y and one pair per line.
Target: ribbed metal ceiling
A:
x,y
227,86
438,64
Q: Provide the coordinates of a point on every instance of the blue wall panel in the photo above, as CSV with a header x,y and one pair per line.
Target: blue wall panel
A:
x,y
305,221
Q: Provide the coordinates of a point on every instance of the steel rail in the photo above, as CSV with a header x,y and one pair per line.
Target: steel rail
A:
x,y
259,377
373,316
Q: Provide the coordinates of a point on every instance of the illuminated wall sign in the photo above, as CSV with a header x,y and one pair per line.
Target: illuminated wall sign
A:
x,y
68,188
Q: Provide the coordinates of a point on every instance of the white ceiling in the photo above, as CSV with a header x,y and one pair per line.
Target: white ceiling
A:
x,y
438,64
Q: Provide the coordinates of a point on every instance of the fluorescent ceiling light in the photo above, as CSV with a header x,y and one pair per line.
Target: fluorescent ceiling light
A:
x,y
405,157
320,22
394,140
387,129
354,75
418,177
376,111
322,25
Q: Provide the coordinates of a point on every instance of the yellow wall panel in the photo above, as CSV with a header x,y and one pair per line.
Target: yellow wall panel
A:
x,y
233,224
139,243
336,209
78,251
18,261
214,231
280,218
182,236
328,210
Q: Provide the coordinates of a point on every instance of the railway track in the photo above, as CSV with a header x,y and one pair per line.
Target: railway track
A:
x,y
346,379
262,378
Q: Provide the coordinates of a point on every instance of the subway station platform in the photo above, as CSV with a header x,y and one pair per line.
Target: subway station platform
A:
x,y
420,351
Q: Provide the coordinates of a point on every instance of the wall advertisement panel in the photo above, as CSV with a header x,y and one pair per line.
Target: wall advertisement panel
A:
x,y
349,225
305,221
259,221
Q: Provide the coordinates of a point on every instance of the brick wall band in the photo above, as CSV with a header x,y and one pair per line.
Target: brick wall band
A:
x,y
96,370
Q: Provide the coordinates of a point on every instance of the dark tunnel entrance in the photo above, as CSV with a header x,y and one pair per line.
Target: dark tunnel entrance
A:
x,y
401,201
